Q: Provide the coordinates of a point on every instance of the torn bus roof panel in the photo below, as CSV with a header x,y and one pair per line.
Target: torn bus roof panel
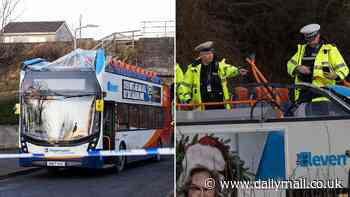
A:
x,y
76,60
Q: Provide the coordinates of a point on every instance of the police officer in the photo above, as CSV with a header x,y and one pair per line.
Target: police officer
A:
x,y
319,63
206,78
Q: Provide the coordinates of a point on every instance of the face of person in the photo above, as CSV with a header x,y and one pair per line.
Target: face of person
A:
x,y
206,57
315,41
198,186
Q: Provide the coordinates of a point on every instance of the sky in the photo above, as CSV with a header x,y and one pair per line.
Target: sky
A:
x,y
110,15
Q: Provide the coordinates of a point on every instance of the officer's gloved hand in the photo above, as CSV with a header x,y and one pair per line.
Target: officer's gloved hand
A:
x,y
184,98
185,101
330,75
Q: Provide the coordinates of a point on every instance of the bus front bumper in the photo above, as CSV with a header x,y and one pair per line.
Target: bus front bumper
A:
x,y
85,162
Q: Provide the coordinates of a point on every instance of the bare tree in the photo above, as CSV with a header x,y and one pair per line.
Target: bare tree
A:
x,y
7,10
270,28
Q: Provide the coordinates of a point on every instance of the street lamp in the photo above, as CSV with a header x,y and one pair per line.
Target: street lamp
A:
x,y
80,28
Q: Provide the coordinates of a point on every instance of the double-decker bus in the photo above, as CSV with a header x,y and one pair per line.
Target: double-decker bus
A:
x,y
85,102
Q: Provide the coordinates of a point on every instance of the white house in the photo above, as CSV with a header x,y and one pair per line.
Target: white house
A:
x,y
40,31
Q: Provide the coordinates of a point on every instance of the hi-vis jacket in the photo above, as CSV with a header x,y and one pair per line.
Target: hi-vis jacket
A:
x,y
327,56
181,91
190,87
178,74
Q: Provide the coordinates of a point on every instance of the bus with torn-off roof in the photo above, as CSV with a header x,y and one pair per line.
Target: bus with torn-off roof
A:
x,y
85,101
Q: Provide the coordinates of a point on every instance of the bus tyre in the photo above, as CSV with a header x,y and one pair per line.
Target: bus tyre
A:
x,y
159,145
120,161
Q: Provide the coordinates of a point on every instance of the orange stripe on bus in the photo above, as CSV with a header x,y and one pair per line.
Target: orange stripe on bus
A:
x,y
152,142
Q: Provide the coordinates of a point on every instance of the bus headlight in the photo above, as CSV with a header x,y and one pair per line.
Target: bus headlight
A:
x,y
24,148
92,144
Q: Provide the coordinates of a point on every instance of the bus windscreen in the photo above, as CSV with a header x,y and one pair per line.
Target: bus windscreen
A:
x,y
59,106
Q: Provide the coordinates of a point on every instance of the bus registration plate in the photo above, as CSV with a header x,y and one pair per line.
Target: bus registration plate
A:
x,y
56,163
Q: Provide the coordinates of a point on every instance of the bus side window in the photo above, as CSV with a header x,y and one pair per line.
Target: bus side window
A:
x,y
152,117
159,117
156,115
122,116
116,123
143,117
134,117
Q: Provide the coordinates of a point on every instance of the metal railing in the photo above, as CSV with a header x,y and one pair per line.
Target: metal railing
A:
x,y
149,29
125,37
158,28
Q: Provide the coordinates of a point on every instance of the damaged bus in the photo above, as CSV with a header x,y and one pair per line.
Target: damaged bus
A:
x,y
84,101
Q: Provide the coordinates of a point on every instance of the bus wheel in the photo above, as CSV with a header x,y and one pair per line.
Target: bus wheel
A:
x,y
159,145
120,161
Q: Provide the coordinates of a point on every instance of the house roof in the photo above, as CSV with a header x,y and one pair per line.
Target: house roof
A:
x,y
39,26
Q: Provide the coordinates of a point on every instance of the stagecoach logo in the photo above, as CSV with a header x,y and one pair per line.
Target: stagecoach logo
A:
x,y
112,87
50,150
306,159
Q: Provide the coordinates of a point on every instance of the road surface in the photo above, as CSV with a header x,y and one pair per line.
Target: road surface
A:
x,y
144,178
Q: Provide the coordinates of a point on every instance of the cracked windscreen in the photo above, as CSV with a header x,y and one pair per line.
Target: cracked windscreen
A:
x,y
59,106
